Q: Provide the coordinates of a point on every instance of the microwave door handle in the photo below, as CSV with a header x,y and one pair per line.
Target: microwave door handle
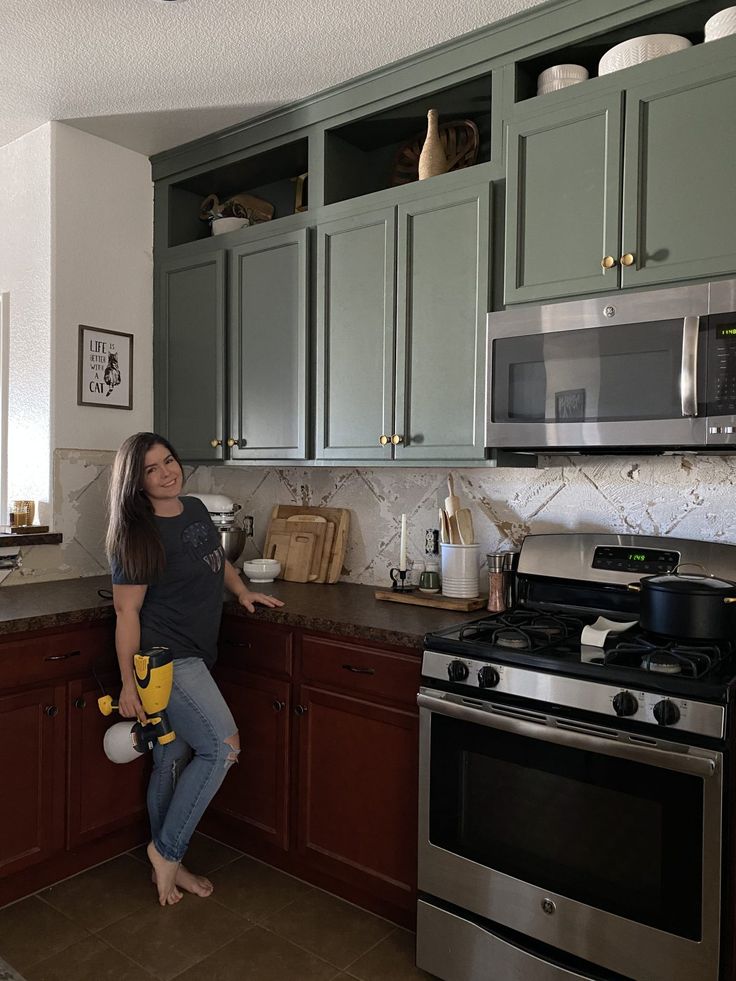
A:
x,y
689,368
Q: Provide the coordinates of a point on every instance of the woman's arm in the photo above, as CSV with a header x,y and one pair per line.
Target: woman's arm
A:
x,y
128,601
241,592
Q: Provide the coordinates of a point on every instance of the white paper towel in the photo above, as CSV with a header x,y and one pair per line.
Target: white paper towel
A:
x,y
595,633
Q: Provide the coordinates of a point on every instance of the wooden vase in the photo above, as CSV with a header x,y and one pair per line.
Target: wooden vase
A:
x,y
432,160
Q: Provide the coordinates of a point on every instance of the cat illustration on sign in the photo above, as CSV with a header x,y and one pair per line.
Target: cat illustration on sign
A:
x,y
111,373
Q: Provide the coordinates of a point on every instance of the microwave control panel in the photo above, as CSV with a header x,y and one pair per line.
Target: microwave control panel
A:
x,y
722,365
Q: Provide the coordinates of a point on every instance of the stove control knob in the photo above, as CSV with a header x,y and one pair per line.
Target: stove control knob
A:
x,y
666,712
625,704
457,671
488,677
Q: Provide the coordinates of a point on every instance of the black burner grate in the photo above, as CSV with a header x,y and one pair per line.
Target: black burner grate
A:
x,y
662,656
524,630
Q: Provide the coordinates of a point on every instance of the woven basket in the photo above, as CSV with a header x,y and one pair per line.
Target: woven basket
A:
x,y
460,141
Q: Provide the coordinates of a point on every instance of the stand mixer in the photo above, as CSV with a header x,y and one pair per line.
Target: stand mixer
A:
x,y
222,511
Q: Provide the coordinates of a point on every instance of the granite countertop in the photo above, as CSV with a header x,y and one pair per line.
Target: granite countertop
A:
x,y
342,608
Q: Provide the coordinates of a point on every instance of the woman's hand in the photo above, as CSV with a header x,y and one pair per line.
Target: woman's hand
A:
x,y
129,704
247,599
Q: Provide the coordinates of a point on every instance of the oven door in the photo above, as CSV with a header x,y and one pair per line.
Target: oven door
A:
x,y
593,841
627,371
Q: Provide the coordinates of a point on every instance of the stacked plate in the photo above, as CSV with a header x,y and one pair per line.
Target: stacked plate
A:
x,y
721,24
639,49
559,77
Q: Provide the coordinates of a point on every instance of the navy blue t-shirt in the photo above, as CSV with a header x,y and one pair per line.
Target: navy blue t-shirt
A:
x,y
183,607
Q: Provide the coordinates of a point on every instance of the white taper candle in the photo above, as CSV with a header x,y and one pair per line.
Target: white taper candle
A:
x,y
402,546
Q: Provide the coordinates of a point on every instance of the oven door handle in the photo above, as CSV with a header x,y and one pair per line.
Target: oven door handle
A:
x,y
689,367
577,735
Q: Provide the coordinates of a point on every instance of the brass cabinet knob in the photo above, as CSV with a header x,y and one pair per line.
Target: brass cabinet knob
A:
x,y
383,440
232,442
627,259
396,439
214,443
608,262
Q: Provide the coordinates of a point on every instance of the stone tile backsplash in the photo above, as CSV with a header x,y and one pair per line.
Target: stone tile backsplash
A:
x,y
683,496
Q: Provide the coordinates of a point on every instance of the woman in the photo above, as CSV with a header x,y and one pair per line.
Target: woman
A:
x,y
168,570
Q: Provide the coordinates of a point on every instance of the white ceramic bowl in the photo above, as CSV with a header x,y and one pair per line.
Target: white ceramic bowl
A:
x,y
222,225
261,570
639,49
721,24
557,73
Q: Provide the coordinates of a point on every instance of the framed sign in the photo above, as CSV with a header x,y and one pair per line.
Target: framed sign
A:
x,y
105,374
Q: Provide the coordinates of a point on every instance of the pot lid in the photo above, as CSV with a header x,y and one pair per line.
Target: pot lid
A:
x,y
690,584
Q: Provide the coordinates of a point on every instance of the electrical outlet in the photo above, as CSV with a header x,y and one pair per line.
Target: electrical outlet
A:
x,y
248,525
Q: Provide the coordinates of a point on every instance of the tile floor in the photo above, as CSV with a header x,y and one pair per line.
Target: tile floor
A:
x,y
260,925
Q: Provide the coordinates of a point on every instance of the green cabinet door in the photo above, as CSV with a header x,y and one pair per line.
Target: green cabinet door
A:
x,y
355,336
680,177
268,349
563,201
442,302
189,355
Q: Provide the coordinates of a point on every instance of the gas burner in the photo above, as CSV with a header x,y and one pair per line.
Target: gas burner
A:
x,y
527,630
663,656
661,664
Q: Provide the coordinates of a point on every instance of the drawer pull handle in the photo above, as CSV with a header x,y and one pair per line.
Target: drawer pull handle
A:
x,y
278,706
351,667
236,643
51,711
62,657
300,710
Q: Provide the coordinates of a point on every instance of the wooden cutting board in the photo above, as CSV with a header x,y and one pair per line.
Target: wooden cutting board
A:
x,y
316,525
299,560
340,517
432,599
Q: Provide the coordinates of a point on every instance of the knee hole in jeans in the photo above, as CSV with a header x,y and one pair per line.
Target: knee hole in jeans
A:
x,y
234,743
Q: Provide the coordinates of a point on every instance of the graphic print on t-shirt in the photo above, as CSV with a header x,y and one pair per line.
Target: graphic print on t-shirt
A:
x,y
196,537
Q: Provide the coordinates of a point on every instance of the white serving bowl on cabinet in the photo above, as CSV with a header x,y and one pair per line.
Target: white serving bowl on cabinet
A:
x,y
560,77
637,50
721,24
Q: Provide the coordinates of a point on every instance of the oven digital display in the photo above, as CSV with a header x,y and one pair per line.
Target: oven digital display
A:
x,y
729,330
617,558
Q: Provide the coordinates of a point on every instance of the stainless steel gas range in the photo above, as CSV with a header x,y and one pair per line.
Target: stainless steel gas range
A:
x,y
573,817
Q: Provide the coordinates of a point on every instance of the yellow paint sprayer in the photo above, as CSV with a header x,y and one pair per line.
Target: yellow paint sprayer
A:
x,y
154,676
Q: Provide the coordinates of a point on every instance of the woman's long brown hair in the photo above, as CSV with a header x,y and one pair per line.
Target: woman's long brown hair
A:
x,y
132,539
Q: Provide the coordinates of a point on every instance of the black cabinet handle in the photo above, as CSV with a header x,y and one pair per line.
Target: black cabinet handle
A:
x,y
300,710
278,706
51,711
234,643
351,667
62,657
80,703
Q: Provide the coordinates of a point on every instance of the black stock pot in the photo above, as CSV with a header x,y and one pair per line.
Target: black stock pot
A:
x,y
694,606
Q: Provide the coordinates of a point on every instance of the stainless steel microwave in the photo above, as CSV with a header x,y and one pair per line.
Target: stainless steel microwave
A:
x,y
654,370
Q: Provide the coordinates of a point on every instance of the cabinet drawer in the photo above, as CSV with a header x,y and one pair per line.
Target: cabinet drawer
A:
x,y
251,646
58,655
393,677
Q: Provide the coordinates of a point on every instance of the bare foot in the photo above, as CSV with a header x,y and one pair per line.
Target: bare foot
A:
x,y
165,873
198,885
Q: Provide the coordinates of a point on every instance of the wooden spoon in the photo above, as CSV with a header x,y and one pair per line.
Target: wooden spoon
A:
x,y
444,527
452,503
465,530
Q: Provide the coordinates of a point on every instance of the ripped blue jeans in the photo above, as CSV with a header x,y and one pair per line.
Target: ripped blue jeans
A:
x,y
187,772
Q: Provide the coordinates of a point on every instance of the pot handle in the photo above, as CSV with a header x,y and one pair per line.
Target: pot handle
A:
x,y
635,587
706,574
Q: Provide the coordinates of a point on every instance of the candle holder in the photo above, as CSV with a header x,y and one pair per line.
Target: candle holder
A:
x,y
398,581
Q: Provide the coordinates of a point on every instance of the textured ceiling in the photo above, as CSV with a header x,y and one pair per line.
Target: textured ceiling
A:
x,y
150,74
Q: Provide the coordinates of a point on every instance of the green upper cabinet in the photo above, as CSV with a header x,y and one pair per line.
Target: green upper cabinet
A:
x,y
563,201
657,207
356,278
190,355
680,177
268,349
427,301
442,303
